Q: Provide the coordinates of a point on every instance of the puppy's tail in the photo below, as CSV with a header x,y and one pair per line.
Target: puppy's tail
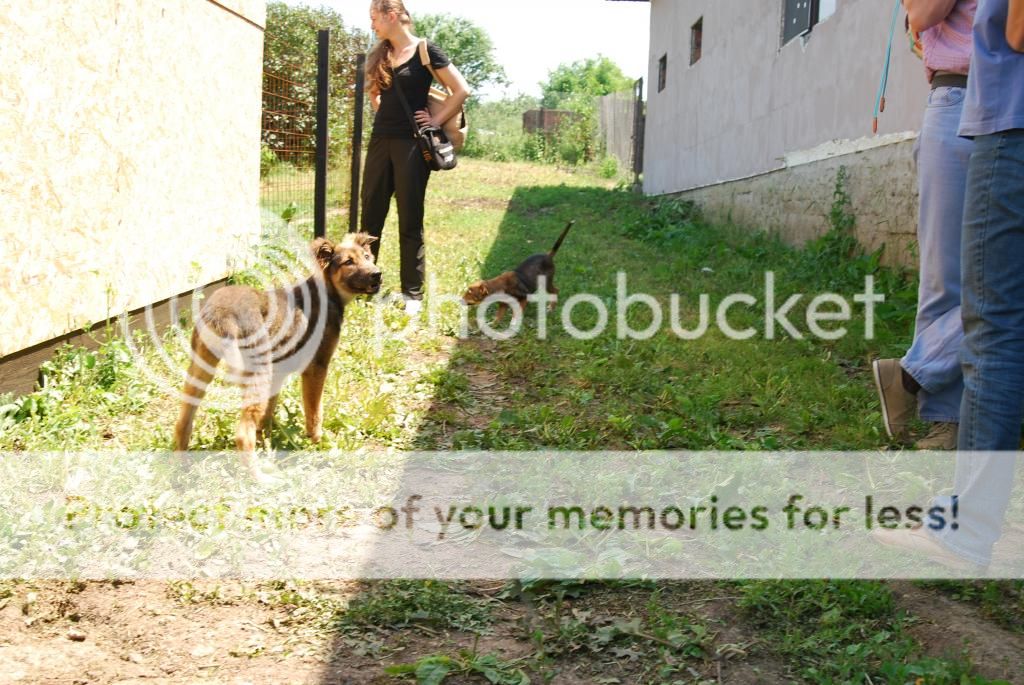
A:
x,y
558,243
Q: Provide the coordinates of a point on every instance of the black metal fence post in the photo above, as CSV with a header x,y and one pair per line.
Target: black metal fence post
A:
x,y
639,124
320,187
357,144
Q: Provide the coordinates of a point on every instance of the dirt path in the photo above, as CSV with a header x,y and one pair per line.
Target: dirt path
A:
x,y
948,626
145,632
205,632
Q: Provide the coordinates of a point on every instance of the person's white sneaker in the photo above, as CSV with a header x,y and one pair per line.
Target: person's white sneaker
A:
x,y
413,307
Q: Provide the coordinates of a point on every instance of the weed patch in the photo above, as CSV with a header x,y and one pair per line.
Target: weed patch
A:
x,y
844,631
432,670
1001,601
401,603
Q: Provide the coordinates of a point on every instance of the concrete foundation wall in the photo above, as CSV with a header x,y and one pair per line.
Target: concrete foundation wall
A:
x,y
795,201
129,155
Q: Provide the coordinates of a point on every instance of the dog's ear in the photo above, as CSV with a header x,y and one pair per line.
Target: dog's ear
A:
x,y
363,239
323,252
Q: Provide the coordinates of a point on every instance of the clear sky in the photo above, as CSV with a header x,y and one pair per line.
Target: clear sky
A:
x,y
532,37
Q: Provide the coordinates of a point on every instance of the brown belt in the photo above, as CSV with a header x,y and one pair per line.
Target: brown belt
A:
x,y
949,81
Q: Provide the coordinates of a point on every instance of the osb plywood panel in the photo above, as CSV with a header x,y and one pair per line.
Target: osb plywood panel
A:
x,y
129,156
253,10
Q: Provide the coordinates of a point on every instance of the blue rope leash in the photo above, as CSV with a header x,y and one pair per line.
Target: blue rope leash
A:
x,y
884,82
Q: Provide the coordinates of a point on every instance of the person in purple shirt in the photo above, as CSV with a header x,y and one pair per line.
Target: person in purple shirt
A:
x,y
927,380
992,300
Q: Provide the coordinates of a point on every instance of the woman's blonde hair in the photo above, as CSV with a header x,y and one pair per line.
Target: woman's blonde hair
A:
x,y
378,75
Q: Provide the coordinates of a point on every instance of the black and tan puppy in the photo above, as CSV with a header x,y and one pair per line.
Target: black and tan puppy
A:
x,y
263,336
520,282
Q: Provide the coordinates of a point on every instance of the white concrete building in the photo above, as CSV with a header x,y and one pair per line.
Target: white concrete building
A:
x,y
752,106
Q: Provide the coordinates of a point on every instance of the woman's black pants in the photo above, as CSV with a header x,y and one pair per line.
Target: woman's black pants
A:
x,y
394,166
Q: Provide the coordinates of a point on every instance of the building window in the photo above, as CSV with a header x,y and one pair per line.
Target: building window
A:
x,y
662,71
696,37
800,15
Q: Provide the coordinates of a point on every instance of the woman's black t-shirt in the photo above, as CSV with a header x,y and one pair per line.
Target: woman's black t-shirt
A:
x,y
391,120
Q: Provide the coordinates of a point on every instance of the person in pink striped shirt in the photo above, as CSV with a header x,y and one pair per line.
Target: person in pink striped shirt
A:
x,y
927,380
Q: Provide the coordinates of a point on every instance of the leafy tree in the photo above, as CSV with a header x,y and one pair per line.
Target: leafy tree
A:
x,y
585,79
290,52
290,41
468,45
576,87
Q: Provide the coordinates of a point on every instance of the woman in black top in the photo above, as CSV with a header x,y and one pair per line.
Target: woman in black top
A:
x,y
394,165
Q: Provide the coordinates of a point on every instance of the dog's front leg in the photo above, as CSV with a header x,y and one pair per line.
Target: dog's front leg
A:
x,y
313,379
521,303
500,314
553,291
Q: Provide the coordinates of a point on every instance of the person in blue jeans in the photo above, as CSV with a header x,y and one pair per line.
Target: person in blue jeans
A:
x,y
992,301
927,380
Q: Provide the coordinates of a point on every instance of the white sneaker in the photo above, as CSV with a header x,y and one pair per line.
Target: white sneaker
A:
x,y
412,307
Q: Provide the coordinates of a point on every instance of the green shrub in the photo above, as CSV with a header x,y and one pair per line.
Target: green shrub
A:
x,y
496,133
268,160
106,377
845,631
577,136
609,167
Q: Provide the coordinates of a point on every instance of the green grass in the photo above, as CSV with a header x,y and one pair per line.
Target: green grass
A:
x,y
287,191
1001,601
707,393
844,631
667,637
433,669
604,393
402,603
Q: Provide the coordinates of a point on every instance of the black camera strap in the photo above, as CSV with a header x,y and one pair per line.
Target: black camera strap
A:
x,y
437,150
405,105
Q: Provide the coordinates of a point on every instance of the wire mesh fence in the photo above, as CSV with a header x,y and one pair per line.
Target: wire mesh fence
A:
x,y
288,148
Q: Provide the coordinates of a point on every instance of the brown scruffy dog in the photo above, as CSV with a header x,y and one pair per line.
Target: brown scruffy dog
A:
x,y
263,336
521,282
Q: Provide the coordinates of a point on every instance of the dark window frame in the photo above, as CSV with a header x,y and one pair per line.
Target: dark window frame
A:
x,y
799,17
696,40
662,72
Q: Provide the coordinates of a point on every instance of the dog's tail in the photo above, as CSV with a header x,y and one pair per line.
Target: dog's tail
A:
x,y
558,243
232,355
222,342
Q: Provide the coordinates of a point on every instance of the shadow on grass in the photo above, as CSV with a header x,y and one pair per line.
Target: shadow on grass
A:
x,y
665,392
491,388
608,393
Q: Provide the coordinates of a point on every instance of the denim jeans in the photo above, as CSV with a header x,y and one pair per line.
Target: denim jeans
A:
x,y
993,351
934,357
